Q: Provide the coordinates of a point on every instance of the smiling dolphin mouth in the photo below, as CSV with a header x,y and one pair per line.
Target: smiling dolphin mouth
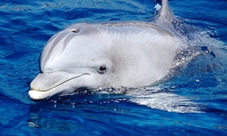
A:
x,y
44,85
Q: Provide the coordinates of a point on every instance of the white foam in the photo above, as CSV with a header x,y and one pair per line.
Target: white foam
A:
x,y
157,7
167,101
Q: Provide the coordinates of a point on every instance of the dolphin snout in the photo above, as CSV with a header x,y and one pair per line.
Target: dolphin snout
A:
x,y
48,84
46,81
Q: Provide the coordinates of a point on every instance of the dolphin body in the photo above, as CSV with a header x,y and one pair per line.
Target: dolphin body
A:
x,y
128,54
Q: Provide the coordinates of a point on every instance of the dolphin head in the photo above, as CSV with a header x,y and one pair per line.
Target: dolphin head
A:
x,y
73,58
103,55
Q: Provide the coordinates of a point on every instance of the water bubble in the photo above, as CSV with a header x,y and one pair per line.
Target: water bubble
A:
x,y
197,80
32,124
157,7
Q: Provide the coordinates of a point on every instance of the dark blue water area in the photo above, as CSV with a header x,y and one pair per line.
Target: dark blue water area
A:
x,y
27,25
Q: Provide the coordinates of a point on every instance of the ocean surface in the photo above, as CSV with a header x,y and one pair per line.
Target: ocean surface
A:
x,y
193,101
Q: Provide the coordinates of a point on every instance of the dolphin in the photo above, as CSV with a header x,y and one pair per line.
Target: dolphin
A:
x,y
107,55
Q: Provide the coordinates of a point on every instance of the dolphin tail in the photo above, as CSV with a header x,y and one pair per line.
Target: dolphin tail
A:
x,y
165,13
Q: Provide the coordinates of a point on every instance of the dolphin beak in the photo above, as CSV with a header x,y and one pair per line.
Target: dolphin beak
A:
x,y
37,95
45,84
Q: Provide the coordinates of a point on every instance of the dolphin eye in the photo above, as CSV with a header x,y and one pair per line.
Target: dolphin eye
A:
x,y
102,69
75,30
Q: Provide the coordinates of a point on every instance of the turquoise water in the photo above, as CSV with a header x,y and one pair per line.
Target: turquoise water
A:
x,y
200,85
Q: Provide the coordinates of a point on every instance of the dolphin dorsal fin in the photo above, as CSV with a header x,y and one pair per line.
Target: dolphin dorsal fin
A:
x,y
165,13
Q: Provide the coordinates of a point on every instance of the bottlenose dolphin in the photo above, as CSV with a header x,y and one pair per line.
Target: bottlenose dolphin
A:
x,y
128,54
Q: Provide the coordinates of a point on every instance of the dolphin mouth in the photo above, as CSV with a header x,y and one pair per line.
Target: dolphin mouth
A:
x,y
40,90
38,95
45,84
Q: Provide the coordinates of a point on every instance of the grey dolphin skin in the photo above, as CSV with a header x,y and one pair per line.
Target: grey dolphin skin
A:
x,y
124,54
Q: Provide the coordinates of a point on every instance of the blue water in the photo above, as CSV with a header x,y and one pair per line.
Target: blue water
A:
x,y
25,26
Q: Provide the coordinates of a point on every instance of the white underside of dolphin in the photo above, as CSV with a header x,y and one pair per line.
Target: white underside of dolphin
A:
x,y
108,55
